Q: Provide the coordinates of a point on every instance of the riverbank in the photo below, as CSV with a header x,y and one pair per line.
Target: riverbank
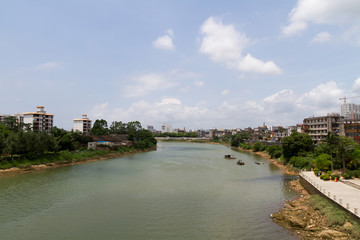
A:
x,y
55,164
314,217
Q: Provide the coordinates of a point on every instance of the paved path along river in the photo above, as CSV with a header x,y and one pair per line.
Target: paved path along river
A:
x,y
345,195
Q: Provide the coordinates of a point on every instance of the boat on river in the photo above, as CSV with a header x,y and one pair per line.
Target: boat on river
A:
x,y
240,162
228,156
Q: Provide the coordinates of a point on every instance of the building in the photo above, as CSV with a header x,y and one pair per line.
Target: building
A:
x,y
39,120
82,125
352,129
319,127
19,117
350,111
166,128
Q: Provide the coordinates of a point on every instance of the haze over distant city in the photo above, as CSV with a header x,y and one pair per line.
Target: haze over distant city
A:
x,y
193,64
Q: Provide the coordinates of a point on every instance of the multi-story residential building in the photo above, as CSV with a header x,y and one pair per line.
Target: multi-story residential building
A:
x,y
39,120
319,127
82,125
352,129
350,111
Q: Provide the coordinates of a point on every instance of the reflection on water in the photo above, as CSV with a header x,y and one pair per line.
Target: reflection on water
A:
x,y
180,191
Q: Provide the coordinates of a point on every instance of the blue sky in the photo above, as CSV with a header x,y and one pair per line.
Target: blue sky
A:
x,y
192,64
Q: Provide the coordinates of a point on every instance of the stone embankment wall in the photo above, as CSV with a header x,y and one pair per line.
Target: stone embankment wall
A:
x,y
312,188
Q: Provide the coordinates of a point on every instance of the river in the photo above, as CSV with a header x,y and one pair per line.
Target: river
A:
x,y
181,191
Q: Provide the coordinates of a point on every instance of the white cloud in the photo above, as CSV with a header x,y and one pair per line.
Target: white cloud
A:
x,y
166,101
144,84
285,107
321,37
251,64
225,92
165,42
356,87
49,66
99,111
199,83
332,12
223,43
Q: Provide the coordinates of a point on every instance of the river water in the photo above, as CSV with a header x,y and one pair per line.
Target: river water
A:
x,y
181,191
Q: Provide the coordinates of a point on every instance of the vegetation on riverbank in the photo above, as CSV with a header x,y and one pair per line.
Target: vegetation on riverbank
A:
x,y
299,152
22,148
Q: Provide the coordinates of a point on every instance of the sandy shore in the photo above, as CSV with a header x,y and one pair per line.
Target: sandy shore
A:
x,y
32,168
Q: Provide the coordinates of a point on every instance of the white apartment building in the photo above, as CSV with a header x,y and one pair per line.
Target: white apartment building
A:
x,y
39,120
350,111
82,125
166,128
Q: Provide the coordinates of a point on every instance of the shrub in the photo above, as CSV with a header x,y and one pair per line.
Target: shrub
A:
x,y
355,173
346,175
259,147
325,177
301,162
316,171
333,176
275,151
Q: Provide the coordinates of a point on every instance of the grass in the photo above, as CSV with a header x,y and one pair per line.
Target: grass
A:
x,y
335,216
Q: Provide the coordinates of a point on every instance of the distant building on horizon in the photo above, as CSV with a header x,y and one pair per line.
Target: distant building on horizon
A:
x,y
350,111
166,128
82,125
39,120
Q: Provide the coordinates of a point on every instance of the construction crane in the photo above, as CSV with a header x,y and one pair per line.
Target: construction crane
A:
x,y
344,98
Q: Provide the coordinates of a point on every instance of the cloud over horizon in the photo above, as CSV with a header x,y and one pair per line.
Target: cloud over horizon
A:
x,y
321,12
223,43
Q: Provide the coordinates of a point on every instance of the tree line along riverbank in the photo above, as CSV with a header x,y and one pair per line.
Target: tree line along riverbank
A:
x,y
27,150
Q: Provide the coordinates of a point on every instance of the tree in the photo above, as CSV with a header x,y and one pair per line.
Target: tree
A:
x,y
323,162
296,144
239,138
99,127
332,140
66,142
345,149
118,128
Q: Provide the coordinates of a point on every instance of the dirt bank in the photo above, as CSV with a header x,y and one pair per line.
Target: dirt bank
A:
x,y
301,217
32,168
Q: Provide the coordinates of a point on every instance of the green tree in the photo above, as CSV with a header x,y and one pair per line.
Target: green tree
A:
x,y
118,128
323,162
345,149
296,144
99,128
332,140
275,151
66,142
239,138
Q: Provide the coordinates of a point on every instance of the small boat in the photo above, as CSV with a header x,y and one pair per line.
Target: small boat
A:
x,y
228,156
240,162
257,163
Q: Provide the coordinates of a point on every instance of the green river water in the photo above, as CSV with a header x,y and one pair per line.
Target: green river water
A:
x,y
181,191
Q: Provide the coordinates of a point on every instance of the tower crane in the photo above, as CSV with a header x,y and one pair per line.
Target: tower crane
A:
x,y
344,98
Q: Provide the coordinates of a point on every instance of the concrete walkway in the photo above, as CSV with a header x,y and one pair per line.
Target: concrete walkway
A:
x,y
344,194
